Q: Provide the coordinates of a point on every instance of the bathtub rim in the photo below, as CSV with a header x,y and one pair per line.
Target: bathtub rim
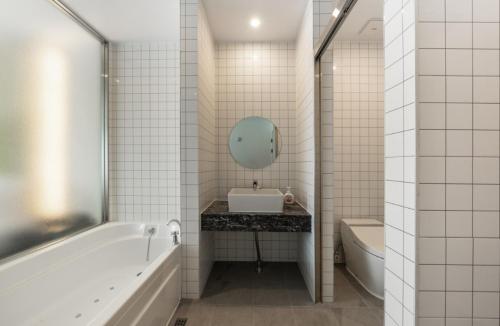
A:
x,y
71,238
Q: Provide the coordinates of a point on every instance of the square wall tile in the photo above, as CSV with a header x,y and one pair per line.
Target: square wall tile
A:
x,y
486,11
486,35
432,142
458,62
432,277
459,169
486,62
458,116
486,116
459,10
486,170
459,35
487,278
459,142
458,197
431,10
459,251
432,169
458,278
487,305
432,116
432,224
432,251
431,304
459,224
458,89
487,251
486,143
432,197
486,224
459,304
486,197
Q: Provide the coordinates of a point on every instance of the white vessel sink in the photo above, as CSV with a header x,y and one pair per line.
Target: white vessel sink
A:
x,y
255,201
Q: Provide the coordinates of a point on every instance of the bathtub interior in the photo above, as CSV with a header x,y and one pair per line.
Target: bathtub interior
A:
x,y
81,277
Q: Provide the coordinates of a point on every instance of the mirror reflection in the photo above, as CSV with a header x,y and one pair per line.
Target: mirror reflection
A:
x,y
255,142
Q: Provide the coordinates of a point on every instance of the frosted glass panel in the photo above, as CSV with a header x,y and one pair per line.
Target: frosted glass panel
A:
x,y
51,122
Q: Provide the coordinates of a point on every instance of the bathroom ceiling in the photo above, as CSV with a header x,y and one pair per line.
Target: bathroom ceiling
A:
x,y
230,19
131,20
365,22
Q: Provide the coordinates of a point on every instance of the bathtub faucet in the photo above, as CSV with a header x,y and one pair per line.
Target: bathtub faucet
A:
x,y
151,231
175,231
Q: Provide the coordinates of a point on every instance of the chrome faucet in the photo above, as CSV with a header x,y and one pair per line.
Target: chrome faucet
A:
x,y
175,233
255,184
151,231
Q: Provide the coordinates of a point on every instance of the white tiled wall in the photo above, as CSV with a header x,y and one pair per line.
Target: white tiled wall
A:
x,y
144,132
304,150
459,133
256,79
207,136
400,156
358,130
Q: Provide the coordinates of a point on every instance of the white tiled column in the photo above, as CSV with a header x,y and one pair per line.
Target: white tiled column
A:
x,y
190,214
459,135
400,155
304,165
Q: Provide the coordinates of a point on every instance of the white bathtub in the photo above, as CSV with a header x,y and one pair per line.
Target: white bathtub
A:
x,y
98,277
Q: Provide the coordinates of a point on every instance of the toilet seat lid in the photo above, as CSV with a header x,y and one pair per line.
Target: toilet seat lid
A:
x,y
361,221
370,239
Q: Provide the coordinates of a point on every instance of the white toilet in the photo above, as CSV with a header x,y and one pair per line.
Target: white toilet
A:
x,y
363,241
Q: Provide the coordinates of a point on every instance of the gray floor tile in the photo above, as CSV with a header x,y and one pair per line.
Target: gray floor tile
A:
x,y
347,296
271,297
275,316
232,316
235,295
314,316
357,317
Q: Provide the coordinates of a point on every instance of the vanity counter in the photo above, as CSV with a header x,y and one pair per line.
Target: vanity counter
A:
x,y
218,218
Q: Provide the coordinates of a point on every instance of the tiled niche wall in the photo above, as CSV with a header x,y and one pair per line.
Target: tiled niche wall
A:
x,y
459,229
144,132
304,146
400,157
358,130
256,79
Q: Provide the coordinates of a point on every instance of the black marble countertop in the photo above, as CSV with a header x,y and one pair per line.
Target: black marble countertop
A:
x,y
218,218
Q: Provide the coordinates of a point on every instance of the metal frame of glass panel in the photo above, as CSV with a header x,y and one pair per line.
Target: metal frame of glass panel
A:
x,y
105,73
320,48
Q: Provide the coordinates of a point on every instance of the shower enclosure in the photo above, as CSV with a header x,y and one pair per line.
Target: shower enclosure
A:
x,y
53,101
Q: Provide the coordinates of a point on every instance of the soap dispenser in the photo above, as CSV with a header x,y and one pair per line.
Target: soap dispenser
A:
x,y
289,197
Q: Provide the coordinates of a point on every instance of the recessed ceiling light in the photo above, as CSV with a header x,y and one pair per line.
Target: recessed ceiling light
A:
x,y
336,12
255,22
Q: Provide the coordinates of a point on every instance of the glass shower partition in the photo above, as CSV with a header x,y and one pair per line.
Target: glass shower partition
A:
x,y
53,87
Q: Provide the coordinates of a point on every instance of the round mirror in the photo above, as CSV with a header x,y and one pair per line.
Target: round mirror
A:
x,y
255,142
